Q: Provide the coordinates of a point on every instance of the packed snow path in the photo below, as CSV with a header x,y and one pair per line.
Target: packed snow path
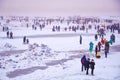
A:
x,y
54,35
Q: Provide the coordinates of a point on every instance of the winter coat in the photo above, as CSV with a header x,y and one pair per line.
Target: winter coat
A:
x,y
112,37
96,37
87,64
102,40
91,46
99,44
96,49
92,64
83,60
111,41
24,39
80,39
107,47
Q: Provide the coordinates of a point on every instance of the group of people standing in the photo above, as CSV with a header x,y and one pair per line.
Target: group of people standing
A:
x,y
86,64
9,34
25,40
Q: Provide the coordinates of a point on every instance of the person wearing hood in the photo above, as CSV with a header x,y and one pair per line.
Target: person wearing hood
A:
x,y
83,62
91,47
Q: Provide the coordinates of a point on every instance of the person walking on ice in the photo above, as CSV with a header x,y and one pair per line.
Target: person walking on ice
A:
x,y
106,49
11,35
80,39
83,62
92,66
87,65
91,47
7,34
24,39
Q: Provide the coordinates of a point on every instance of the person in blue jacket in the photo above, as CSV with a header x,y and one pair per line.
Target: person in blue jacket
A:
x,y
83,62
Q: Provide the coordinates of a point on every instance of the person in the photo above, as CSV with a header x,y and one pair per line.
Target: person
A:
x,y
83,62
24,39
87,65
112,37
3,28
96,50
92,66
102,40
118,30
27,41
111,41
7,34
106,49
99,46
80,39
96,37
11,35
91,47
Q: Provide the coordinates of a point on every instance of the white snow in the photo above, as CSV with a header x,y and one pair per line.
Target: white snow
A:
x,y
47,49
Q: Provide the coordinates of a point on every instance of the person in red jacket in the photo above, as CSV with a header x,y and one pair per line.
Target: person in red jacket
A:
x,y
102,40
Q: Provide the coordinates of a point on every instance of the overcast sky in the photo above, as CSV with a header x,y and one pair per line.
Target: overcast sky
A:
x,y
60,7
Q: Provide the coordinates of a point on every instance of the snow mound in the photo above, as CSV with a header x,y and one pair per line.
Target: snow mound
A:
x,y
36,54
36,50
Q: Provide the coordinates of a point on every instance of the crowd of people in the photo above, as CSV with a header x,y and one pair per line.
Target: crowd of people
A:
x,y
80,24
73,23
103,43
90,64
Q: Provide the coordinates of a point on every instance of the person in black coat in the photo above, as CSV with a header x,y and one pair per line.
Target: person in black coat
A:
x,y
96,50
24,39
7,34
11,35
80,39
99,46
27,41
87,65
96,37
92,66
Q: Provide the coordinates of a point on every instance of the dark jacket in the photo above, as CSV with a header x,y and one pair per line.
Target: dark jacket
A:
x,y
96,49
92,64
107,47
96,37
87,63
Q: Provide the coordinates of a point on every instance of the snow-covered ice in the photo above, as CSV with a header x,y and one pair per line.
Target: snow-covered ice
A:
x,y
54,56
